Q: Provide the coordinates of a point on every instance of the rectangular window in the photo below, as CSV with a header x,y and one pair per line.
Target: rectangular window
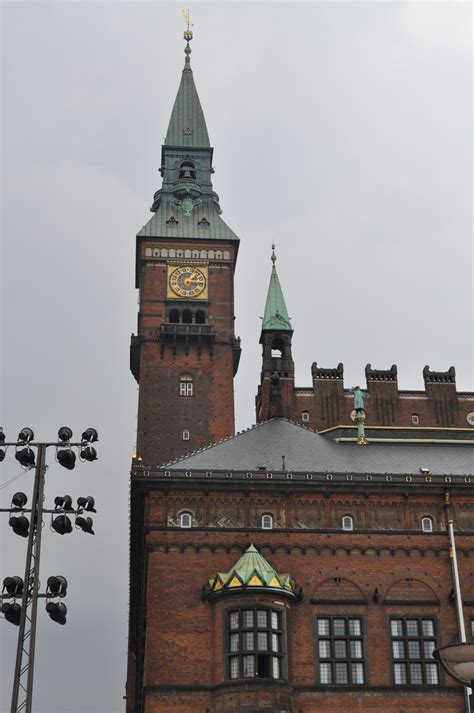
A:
x,y
340,650
413,643
254,643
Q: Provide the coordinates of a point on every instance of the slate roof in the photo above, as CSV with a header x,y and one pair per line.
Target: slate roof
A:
x,y
308,451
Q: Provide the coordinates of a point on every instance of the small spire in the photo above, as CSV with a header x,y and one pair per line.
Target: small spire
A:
x,y
276,314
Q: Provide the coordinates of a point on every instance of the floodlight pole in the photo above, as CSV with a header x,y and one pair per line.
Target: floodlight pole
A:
x,y
25,653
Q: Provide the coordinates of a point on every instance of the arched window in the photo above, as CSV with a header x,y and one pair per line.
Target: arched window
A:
x,y
200,317
267,522
186,385
186,519
187,170
174,316
305,416
187,316
427,524
278,348
347,522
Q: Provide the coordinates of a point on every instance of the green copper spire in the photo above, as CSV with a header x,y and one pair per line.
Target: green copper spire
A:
x,y
276,314
187,125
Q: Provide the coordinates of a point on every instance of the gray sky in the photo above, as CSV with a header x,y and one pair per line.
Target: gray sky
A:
x,y
342,131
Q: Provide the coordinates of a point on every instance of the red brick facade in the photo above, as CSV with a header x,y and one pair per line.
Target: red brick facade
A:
x,y
162,352
327,404
387,567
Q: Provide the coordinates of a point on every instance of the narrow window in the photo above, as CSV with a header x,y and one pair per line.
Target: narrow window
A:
x,y
267,522
415,419
278,348
347,522
174,316
254,643
413,643
186,434
187,316
200,317
186,385
340,650
305,416
186,519
427,524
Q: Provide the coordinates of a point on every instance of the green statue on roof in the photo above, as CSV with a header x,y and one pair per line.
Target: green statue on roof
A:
x,y
359,397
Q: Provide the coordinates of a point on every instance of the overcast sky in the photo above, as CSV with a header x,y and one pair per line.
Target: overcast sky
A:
x,y
342,132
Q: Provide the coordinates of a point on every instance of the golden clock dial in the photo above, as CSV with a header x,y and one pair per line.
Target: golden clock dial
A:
x,y
187,281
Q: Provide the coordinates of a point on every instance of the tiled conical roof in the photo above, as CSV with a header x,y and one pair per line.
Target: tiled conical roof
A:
x,y
252,572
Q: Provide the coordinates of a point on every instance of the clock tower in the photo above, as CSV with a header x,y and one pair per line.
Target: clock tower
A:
x,y
185,353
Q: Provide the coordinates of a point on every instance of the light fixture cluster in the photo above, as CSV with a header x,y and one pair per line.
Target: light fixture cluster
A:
x,y
65,454
61,523
13,589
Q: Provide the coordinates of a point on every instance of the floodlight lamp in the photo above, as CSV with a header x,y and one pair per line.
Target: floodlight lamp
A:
x,y
26,435
2,436
85,523
90,435
20,525
12,612
25,457
61,524
63,502
19,500
2,455
88,453
65,434
57,612
87,503
57,586
13,586
67,458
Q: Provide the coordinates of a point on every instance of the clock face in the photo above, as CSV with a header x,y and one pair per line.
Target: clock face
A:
x,y
188,281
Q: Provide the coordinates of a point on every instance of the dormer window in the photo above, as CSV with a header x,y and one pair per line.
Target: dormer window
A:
x,y
187,170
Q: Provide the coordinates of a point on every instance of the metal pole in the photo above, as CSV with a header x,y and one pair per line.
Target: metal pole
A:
x,y
25,654
456,585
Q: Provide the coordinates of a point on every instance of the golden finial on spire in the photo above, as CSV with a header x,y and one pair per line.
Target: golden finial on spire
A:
x,y
188,35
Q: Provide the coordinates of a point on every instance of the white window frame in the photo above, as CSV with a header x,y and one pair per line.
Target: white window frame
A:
x,y
264,520
184,518
427,523
186,385
415,419
186,434
347,523
305,416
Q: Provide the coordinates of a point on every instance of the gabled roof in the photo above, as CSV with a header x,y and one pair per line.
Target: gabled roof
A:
x,y
305,450
276,314
187,125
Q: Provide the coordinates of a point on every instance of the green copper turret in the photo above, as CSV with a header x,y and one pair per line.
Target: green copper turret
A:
x,y
276,314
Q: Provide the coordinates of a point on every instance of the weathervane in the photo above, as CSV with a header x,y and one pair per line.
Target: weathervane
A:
x,y
188,35
274,257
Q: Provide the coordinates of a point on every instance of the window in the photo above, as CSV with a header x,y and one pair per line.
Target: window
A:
x,y
472,628
174,316
267,522
413,643
255,647
186,385
347,522
427,524
187,169
200,317
305,416
187,316
415,419
186,434
186,519
340,650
